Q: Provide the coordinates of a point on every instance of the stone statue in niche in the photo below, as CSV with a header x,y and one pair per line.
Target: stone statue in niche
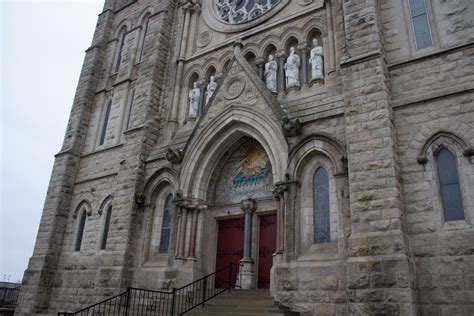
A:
x,y
271,68
211,87
194,98
292,69
316,61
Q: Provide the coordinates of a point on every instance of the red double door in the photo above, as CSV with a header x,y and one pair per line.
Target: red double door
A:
x,y
230,245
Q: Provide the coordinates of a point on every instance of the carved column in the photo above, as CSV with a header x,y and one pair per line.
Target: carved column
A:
x,y
279,195
192,240
182,230
247,275
260,62
303,48
179,72
281,57
202,101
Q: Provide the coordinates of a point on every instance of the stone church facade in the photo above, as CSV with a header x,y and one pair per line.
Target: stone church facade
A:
x,y
339,171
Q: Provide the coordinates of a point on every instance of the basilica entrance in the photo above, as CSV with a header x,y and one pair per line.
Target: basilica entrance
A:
x,y
266,249
230,245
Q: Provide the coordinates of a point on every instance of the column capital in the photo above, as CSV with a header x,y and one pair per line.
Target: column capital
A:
x,y
202,83
260,61
281,54
248,205
303,47
278,190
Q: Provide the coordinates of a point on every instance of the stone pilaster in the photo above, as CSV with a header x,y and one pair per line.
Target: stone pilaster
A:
x,y
380,270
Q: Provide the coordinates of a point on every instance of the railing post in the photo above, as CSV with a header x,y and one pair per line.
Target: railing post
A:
x,y
128,301
173,300
204,291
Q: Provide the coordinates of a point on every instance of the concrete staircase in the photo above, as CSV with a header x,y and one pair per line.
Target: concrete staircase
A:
x,y
242,303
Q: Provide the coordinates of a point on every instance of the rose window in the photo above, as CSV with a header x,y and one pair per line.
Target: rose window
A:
x,y
241,11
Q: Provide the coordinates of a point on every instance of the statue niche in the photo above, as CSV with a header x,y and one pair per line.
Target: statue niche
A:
x,y
244,172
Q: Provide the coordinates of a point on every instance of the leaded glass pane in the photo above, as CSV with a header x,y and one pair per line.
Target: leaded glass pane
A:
x,y
80,231
322,233
166,225
105,233
417,7
105,123
449,186
422,31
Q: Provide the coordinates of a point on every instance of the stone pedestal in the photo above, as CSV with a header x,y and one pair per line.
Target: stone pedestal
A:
x,y
246,274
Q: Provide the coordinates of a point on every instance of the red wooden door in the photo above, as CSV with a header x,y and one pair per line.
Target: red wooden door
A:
x,y
266,249
230,248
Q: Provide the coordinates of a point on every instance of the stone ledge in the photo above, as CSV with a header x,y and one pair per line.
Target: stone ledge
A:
x,y
435,94
102,176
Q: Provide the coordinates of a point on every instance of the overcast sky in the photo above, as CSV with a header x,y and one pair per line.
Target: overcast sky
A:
x,y
42,50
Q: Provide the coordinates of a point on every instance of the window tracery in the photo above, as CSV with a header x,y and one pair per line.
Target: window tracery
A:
x,y
241,11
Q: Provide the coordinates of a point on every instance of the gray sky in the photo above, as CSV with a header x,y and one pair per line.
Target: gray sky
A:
x,y
42,50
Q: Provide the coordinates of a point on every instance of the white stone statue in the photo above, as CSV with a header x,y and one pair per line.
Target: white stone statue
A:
x,y
316,61
292,69
271,68
211,87
194,97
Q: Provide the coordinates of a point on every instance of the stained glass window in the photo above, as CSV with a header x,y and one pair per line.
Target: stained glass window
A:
x,y
105,123
105,233
421,25
322,233
166,225
120,52
449,186
80,231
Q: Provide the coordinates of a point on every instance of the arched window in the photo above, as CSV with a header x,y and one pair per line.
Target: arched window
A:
x,y
143,39
421,24
166,224
105,123
123,33
80,230
105,232
449,186
130,109
321,207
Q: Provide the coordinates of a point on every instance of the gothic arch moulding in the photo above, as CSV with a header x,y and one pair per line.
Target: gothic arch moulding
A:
x,y
458,131
83,204
160,179
105,203
207,148
318,143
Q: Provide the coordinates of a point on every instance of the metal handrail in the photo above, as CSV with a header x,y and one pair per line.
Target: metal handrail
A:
x,y
177,301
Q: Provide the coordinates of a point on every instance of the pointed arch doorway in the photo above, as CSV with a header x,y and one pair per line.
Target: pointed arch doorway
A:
x,y
245,212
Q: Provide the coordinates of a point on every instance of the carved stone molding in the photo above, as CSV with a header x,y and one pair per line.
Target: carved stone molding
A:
x,y
175,156
291,127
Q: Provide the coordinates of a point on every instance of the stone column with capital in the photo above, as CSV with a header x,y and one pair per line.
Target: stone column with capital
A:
x,y
303,48
279,196
194,224
260,62
202,85
281,57
247,274
183,211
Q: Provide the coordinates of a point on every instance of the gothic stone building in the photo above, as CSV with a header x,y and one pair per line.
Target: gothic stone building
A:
x,y
346,162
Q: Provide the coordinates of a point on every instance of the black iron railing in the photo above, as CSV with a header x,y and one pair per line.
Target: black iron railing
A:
x,y
135,302
9,296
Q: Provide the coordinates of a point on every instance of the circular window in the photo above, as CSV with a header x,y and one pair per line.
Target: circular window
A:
x,y
242,11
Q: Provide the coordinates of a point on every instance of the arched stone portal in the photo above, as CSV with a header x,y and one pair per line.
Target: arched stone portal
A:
x,y
226,180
